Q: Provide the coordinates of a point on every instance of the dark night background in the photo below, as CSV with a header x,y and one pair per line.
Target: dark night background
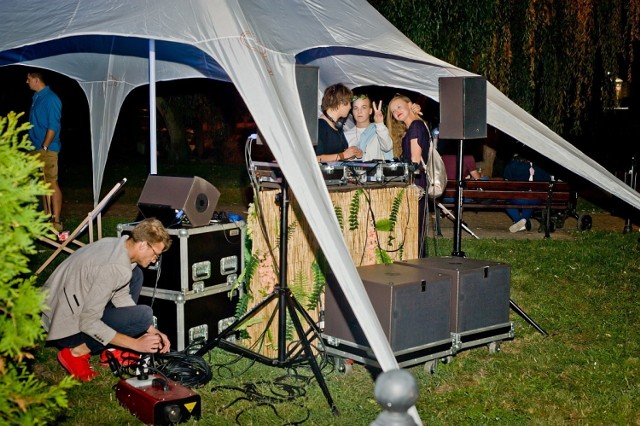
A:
x,y
611,140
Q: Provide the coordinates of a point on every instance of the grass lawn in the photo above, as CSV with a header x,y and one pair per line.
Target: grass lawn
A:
x,y
583,292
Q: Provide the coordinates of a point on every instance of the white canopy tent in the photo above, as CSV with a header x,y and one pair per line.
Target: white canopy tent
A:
x,y
255,44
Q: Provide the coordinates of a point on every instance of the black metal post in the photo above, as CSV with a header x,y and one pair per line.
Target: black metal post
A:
x,y
457,236
282,299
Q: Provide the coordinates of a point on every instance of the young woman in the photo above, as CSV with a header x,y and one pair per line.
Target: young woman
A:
x,y
411,139
372,138
332,144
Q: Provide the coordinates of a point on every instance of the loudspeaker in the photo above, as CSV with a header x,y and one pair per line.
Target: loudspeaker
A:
x,y
176,200
480,292
307,82
412,306
463,107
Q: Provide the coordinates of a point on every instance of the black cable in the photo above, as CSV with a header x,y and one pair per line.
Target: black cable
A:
x,y
256,201
187,369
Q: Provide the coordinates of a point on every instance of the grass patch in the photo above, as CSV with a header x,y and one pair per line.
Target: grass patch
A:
x,y
582,292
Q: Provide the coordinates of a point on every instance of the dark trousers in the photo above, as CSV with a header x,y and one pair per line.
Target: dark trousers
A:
x,y
516,214
129,320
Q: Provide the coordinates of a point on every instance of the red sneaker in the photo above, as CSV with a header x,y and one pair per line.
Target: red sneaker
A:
x,y
77,366
124,358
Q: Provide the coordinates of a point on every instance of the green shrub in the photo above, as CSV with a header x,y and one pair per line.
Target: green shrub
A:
x,y
24,399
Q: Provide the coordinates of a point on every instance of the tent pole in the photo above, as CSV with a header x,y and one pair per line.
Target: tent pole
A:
x,y
153,145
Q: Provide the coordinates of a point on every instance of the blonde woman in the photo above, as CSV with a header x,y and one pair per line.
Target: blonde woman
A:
x,y
411,139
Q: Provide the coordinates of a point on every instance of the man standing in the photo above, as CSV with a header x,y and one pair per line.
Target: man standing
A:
x,y
45,114
91,299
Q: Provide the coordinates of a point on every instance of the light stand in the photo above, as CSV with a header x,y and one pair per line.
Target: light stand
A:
x,y
286,302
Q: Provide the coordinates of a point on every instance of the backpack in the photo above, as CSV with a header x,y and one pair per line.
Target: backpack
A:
x,y
436,174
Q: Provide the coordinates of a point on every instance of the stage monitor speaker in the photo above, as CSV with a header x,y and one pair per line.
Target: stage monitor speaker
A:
x,y
463,107
307,82
174,200
480,293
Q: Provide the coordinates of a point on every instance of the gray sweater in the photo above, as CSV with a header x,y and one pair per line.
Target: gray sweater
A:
x,y
81,286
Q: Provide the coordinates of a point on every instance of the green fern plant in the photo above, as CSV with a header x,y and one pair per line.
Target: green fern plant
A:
x,y
297,287
393,216
382,256
319,282
290,230
395,208
354,210
338,211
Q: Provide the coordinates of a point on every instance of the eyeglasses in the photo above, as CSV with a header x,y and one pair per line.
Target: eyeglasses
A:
x,y
356,97
156,255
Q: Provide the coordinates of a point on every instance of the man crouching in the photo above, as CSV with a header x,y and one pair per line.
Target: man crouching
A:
x,y
92,298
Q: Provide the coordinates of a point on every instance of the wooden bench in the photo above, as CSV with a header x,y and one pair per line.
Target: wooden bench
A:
x,y
555,201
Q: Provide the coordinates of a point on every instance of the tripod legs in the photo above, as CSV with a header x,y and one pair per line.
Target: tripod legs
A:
x,y
286,304
526,317
292,306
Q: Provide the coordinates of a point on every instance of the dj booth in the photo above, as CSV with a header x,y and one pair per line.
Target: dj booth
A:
x,y
376,206
429,309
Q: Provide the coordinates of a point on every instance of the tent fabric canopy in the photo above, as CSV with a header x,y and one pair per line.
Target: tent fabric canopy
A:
x,y
190,40
255,44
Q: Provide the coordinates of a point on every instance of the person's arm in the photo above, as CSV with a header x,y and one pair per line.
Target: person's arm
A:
x,y
416,151
349,153
152,341
384,139
327,158
48,138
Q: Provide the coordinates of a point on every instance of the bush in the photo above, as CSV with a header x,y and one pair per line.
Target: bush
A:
x,y
24,399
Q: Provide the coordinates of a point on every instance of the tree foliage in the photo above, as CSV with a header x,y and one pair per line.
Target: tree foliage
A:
x,y
23,398
557,60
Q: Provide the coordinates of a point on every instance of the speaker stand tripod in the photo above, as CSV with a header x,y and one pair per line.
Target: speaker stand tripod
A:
x,y
300,352
457,240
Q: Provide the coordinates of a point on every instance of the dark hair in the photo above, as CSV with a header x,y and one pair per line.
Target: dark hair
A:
x,y
152,231
38,74
336,95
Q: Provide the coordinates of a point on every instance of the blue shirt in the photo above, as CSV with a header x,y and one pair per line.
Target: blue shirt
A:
x,y
46,110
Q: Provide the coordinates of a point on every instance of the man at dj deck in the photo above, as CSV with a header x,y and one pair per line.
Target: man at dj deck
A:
x,y
91,300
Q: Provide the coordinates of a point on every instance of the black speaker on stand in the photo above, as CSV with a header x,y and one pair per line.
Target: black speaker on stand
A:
x,y
463,115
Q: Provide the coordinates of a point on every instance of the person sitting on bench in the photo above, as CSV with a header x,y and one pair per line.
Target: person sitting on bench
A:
x,y
521,169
